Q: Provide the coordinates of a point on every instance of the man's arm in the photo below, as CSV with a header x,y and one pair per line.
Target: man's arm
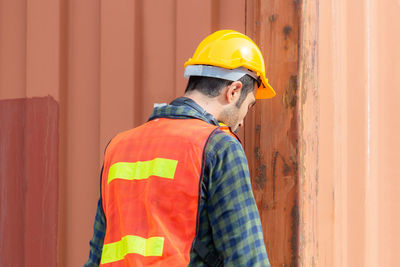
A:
x,y
99,231
233,213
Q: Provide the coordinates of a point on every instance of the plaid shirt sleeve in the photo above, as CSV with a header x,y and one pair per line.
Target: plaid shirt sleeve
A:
x,y
232,211
99,231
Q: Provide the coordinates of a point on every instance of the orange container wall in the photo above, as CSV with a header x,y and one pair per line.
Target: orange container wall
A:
x,y
105,64
359,188
322,154
99,66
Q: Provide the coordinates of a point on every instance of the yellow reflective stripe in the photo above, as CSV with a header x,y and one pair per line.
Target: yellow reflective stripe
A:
x,y
116,251
164,168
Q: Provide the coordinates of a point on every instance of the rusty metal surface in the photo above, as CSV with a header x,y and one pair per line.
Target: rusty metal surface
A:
x,y
271,130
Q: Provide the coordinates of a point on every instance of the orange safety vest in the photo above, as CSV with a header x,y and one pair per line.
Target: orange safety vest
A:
x,y
150,189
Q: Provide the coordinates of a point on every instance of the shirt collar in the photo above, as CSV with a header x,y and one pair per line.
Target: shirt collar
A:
x,y
183,107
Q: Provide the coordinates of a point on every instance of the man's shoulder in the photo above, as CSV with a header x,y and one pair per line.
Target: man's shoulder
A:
x,y
220,136
221,142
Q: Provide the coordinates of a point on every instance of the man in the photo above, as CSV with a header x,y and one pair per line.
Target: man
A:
x,y
176,191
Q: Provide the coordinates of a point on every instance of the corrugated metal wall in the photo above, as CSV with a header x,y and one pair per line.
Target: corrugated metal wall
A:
x,y
359,186
322,154
103,64
29,119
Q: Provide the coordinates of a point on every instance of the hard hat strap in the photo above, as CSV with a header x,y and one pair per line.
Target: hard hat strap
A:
x,y
218,72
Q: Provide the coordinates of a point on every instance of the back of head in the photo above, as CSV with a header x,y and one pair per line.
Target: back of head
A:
x,y
212,87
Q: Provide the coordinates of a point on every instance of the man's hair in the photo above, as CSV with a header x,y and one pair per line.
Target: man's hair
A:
x,y
212,87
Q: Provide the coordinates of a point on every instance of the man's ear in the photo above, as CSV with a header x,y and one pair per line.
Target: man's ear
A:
x,y
232,92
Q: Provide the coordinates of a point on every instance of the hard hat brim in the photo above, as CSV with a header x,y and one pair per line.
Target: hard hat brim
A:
x,y
265,91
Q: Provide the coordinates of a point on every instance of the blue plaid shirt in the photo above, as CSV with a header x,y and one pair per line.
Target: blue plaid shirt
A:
x,y
229,222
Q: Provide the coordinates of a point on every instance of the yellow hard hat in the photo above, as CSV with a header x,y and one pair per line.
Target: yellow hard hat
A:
x,y
234,52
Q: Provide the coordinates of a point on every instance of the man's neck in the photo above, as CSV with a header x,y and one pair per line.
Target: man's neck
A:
x,y
210,105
